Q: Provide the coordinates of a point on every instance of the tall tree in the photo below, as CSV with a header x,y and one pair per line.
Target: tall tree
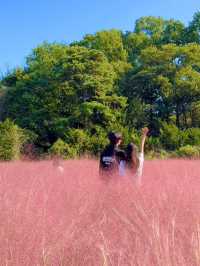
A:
x,y
153,27
58,84
173,32
111,44
192,32
134,43
167,80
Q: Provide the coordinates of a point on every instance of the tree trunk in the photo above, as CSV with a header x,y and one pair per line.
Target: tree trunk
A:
x,y
185,117
177,116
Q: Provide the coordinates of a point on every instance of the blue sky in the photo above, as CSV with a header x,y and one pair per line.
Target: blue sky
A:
x,y
25,24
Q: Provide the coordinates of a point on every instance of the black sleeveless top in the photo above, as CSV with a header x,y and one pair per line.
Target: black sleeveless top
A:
x,y
110,158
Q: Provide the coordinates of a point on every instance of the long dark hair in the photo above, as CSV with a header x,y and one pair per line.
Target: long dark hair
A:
x,y
131,156
114,137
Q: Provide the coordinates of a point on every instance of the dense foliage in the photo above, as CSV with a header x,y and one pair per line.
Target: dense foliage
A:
x,y
70,96
12,139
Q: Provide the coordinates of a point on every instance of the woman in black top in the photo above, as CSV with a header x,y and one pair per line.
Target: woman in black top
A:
x,y
110,157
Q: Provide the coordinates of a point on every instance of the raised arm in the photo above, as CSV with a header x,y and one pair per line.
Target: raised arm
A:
x,y
145,130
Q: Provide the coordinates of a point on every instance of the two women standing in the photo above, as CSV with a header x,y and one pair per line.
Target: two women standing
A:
x,y
123,162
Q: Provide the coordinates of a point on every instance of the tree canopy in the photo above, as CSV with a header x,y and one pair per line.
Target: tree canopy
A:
x,y
72,95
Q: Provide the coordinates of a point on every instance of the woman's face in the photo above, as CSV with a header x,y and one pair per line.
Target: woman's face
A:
x,y
119,142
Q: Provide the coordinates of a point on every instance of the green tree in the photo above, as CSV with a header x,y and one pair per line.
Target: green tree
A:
x,y
111,44
153,27
192,32
167,80
173,32
134,43
62,87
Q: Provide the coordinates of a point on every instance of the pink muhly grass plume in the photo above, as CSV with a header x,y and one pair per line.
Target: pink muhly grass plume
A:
x,y
73,217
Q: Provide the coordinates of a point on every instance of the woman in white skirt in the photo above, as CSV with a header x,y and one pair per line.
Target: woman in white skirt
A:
x,y
133,162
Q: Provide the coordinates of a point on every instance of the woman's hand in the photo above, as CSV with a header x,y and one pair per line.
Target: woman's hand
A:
x,y
145,131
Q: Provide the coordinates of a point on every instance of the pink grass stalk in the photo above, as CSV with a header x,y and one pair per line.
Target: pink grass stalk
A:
x,y
72,217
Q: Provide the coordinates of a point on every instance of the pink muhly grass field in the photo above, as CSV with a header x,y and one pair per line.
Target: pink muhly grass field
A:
x,y
50,217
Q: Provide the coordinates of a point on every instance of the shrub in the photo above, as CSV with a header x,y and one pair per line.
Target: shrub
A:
x,y
135,137
97,140
152,143
62,149
192,136
12,139
161,154
189,151
170,136
78,139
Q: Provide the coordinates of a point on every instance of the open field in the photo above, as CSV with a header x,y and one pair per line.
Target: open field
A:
x,y
48,217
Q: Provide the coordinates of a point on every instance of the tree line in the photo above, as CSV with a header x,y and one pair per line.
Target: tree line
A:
x,y
66,98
